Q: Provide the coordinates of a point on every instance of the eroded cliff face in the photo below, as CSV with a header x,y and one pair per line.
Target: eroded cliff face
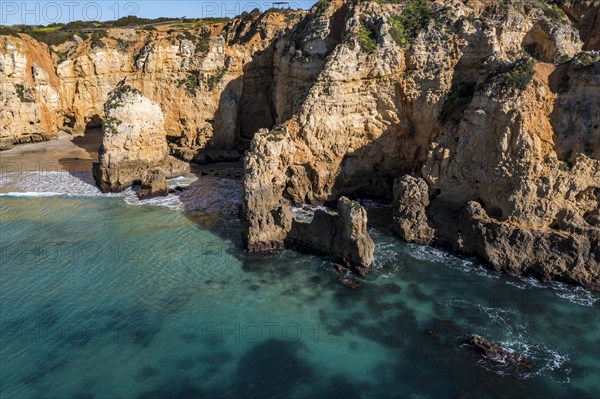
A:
x,y
498,132
477,119
29,107
212,81
134,147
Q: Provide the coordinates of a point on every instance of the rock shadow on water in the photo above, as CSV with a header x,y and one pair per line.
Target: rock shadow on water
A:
x,y
177,389
213,201
135,325
342,387
145,373
272,369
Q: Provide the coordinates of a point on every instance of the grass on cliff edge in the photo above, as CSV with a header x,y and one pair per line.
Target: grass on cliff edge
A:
x,y
57,34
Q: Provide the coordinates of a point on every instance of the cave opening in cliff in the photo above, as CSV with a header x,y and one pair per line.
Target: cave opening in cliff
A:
x,y
92,136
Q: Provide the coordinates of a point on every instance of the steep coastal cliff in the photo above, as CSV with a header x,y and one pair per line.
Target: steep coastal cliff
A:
x,y
478,120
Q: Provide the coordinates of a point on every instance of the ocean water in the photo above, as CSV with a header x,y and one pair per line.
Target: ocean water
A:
x,y
104,296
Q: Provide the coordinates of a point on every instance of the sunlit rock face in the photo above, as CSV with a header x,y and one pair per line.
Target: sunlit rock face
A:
x,y
485,114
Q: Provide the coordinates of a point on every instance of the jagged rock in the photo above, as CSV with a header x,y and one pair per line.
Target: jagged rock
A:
x,y
351,240
214,73
497,353
546,252
134,146
154,185
29,106
342,233
458,104
411,199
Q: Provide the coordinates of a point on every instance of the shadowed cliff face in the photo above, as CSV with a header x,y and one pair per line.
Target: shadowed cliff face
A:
x,y
491,106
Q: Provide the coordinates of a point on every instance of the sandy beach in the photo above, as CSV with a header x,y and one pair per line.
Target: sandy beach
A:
x,y
65,154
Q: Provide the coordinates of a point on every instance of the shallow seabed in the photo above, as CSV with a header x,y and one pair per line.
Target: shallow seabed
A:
x,y
104,296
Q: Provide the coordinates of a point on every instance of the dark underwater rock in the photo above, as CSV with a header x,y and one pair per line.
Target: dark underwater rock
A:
x,y
493,351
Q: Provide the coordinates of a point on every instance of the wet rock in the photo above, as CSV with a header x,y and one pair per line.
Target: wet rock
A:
x,y
350,283
342,233
497,353
154,185
411,199
547,253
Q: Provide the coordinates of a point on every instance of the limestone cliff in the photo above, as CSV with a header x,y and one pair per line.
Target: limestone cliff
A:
x,y
134,147
478,119
212,81
484,104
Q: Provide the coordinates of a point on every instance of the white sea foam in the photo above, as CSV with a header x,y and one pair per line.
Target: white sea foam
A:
x,y
575,294
209,194
30,194
571,293
434,255
547,359
52,183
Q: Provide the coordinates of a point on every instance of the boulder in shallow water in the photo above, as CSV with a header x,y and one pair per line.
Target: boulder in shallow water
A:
x,y
134,143
411,199
342,232
154,185
498,353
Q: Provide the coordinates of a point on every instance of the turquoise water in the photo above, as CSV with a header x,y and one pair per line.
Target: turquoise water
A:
x,y
102,297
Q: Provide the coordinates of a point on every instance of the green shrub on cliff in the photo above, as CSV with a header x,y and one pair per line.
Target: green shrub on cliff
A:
x,y
521,75
213,80
191,82
586,59
115,97
7,31
551,10
110,125
322,6
367,39
352,204
25,94
415,17
202,43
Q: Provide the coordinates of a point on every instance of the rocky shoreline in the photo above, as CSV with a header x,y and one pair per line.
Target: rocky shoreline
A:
x,y
479,123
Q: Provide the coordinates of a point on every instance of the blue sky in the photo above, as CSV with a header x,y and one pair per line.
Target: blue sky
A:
x,y
46,12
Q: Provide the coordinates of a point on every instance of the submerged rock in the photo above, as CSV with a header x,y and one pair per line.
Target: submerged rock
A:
x,y
497,353
350,283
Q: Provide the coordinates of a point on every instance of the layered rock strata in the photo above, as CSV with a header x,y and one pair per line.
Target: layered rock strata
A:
x,y
342,233
484,113
477,109
134,147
